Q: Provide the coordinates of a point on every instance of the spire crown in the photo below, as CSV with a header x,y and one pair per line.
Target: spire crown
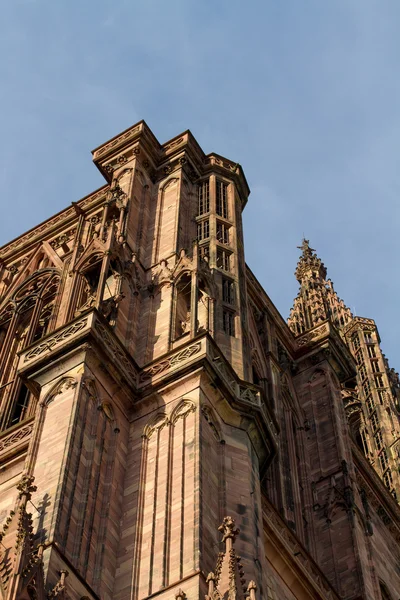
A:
x,y
317,300
309,263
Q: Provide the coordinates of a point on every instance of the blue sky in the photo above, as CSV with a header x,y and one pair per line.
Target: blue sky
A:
x,y
305,94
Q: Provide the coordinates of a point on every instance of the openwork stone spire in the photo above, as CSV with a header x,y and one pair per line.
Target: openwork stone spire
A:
x,y
227,581
317,300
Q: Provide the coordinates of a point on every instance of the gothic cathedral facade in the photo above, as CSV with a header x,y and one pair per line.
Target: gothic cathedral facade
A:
x,y
164,432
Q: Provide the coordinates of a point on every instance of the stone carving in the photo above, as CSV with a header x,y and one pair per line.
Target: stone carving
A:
x,y
14,438
47,345
26,487
59,589
63,239
119,354
65,384
249,394
171,362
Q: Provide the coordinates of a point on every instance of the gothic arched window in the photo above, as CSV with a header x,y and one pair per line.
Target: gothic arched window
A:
x,y
26,319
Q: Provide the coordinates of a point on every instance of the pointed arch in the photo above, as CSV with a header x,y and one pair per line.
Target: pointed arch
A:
x,y
58,388
30,308
183,408
157,422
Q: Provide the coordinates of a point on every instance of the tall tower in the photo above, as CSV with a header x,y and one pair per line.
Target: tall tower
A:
x,y
372,406
125,392
153,398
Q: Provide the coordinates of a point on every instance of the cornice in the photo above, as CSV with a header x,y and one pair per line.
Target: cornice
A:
x,y
160,158
325,336
363,323
49,227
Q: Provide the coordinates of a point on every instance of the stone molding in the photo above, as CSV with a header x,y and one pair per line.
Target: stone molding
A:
x,y
88,326
48,226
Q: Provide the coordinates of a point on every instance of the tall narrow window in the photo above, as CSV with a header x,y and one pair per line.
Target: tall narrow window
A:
x,y
228,291
223,260
366,387
229,322
382,396
375,366
370,403
204,252
355,341
378,439
379,381
222,233
363,372
203,196
383,460
203,230
33,319
222,199
359,357
374,421
371,351
368,337
21,405
388,479
364,440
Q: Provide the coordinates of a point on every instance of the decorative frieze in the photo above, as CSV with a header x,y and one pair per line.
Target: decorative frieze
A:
x,y
172,361
53,341
17,438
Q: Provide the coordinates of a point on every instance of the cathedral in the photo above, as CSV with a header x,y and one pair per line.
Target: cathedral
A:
x,y
164,432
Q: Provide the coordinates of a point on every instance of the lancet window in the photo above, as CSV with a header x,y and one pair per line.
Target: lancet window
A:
x,y
203,198
355,341
222,233
228,291
203,230
228,322
222,199
26,319
223,260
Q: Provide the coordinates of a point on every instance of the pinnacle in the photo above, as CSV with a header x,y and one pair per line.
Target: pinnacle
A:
x,y
317,300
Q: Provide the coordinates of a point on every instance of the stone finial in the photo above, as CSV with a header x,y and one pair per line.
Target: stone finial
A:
x,y
26,487
305,247
227,528
180,595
